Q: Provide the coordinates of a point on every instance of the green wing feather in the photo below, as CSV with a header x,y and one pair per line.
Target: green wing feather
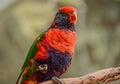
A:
x,y
30,54
32,50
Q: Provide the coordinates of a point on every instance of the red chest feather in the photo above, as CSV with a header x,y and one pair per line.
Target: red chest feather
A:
x,y
62,40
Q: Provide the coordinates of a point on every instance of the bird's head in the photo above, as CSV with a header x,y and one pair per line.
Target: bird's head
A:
x,y
67,12
65,18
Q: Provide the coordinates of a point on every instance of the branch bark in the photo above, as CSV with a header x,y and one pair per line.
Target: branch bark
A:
x,y
100,77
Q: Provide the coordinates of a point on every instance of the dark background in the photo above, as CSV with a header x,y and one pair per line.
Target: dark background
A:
x,y
98,34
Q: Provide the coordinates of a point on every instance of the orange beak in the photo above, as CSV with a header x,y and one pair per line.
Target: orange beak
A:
x,y
73,18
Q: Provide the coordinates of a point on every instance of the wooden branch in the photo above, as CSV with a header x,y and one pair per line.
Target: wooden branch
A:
x,y
99,77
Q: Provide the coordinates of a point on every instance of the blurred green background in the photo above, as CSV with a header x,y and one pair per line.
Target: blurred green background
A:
x,y
98,34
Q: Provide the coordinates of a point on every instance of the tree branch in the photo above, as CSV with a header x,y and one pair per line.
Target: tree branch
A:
x,y
99,77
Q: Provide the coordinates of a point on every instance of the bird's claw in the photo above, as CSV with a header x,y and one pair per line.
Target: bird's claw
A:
x,y
57,80
43,68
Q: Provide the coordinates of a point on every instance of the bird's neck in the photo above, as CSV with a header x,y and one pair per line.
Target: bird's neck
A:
x,y
63,25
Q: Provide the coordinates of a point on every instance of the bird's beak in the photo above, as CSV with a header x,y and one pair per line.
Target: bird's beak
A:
x,y
73,18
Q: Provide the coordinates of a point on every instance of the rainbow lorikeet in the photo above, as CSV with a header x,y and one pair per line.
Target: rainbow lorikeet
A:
x,y
51,53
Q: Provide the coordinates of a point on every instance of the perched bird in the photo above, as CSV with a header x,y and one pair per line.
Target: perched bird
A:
x,y
51,53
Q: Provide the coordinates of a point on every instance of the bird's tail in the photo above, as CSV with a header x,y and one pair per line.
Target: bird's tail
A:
x,y
17,82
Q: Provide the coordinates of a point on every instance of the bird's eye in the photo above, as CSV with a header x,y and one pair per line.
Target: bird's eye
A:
x,y
71,12
63,13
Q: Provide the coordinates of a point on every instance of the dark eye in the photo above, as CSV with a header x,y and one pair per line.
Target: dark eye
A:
x,y
71,12
63,13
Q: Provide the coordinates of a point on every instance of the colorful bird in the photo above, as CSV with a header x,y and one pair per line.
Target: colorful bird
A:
x,y
51,53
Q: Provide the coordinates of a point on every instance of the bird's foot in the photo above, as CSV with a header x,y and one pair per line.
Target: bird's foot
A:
x,y
57,80
43,68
